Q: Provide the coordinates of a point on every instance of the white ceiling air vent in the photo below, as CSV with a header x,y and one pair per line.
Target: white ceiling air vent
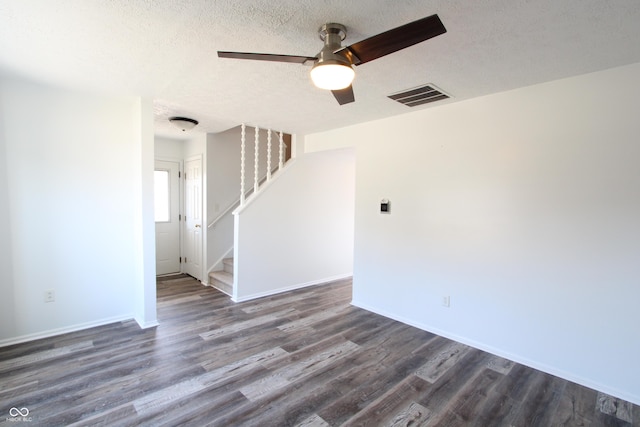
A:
x,y
419,95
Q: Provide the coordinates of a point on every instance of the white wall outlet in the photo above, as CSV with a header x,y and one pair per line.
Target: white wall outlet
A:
x,y
49,295
446,301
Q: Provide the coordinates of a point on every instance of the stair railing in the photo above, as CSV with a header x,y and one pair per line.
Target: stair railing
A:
x,y
256,172
237,202
257,181
221,234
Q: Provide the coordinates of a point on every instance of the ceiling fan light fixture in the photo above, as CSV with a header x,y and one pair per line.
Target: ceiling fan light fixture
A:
x,y
332,75
183,123
333,69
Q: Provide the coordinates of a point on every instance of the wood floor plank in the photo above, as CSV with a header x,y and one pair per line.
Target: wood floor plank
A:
x,y
294,371
504,400
325,386
542,399
465,405
314,421
271,303
500,365
119,416
74,403
340,329
390,403
436,367
386,375
516,383
575,406
201,409
413,414
305,357
615,407
229,351
307,321
443,393
236,327
11,364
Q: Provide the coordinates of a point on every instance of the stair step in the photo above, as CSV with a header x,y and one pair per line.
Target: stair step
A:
x,y
228,265
222,280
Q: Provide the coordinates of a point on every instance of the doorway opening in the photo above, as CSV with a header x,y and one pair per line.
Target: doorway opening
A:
x,y
167,211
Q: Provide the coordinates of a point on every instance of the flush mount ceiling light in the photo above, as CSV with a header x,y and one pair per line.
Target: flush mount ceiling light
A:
x,y
183,123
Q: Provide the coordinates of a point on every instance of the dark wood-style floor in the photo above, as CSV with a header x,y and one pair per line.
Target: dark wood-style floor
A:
x,y
301,358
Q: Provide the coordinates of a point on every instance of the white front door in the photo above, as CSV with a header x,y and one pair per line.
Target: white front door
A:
x,y
167,214
193,218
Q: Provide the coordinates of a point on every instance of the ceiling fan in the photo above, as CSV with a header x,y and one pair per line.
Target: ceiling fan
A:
x,y
333,65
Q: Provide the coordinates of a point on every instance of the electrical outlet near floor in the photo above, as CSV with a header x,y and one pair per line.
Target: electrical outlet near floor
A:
x,y
49,295
446,301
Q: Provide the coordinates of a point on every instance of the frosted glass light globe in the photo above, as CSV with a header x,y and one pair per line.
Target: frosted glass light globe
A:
x,y
332,76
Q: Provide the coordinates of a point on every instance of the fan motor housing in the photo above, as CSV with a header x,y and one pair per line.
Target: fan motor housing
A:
x,y
332,35
332,28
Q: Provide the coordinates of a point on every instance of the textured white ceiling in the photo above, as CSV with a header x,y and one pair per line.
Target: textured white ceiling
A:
x,y
166,50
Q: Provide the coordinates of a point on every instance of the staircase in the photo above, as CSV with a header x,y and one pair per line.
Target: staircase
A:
x,y
223,279
220,232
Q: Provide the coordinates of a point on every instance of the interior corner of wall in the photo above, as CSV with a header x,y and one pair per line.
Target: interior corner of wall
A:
x,y
297,146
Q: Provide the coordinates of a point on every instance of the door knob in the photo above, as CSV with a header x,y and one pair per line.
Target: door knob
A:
x,y
197,225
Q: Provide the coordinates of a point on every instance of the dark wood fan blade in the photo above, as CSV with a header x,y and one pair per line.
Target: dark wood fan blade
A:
x,y
394,40
344,96
267,57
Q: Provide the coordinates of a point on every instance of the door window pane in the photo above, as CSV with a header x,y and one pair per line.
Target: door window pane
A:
x,y
161,195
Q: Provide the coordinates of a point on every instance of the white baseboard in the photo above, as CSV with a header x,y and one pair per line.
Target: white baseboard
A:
x,y
621,394
221,290
291,288
64,330
147,325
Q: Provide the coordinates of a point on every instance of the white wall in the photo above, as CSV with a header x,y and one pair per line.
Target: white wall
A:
x,y
144,218
7,313
166,148
69,193
223,164
298,230
195,146
524,208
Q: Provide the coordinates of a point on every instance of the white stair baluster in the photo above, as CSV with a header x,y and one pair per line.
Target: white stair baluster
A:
x,y
281,147
257,158
268,154
242,162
